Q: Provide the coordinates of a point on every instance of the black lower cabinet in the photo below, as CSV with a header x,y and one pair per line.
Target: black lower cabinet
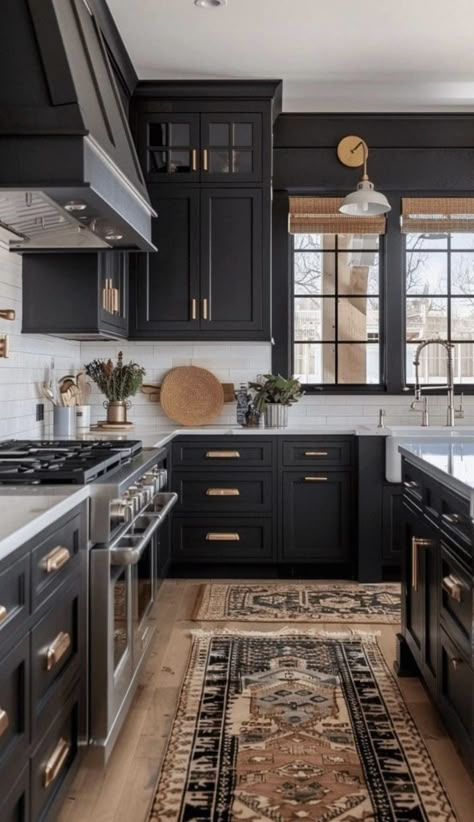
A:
x,y
316,510
42,678
391,525
437,602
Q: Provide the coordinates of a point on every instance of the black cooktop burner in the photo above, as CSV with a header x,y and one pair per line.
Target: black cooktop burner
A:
x,y
76,462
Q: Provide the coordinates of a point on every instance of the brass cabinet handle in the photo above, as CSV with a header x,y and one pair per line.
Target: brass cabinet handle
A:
x,y
205,160
212,455
4,723
453,519
315,453
55,762
411,484
223,492
225,536
3,614
456,661
108,296
194,309
57,649
453,587
315,479
56,558
205,309
416,543
194,159
116,300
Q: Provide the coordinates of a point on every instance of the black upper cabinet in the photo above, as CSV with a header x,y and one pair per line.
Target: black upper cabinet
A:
x,y
76,296
210,277
168,147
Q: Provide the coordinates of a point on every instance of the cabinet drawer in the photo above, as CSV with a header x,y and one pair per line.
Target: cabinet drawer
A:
x,y
54,652
314,453
455,519
14,807
420,489
222,539
14,705
54,559
456,600
223,453
223,492
455,692
14,597
54,759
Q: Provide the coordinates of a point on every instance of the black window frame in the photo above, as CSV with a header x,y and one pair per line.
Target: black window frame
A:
x,y
360,387
392,290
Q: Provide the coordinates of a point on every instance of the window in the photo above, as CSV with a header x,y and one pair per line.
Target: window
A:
x,y
439,277
336,308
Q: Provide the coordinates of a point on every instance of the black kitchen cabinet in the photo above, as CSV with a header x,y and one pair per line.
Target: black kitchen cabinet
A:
x,y
210,278
204,148
316,516
421,587
391,525
76,296
437,600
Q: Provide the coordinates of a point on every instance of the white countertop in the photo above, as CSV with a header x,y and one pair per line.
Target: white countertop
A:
x,y
25,511
451,463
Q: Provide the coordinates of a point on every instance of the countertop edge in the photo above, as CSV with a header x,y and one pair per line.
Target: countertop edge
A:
x,y
15,540
441,476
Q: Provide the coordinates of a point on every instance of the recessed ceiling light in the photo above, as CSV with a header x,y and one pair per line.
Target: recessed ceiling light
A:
x,y
75,205
210,4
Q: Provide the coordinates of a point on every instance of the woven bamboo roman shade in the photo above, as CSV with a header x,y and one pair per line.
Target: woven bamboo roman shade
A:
x,y
431,215
320,215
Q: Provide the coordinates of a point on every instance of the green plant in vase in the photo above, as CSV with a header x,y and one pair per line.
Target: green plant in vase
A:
x,y
273,395
118,383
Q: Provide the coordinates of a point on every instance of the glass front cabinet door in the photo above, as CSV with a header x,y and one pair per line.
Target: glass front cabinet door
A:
x,y
169,147
231,148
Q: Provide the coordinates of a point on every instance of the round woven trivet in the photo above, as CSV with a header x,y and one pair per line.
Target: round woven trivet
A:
x,y
191,395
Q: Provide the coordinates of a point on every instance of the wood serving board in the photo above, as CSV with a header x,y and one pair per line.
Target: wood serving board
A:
x,y
153,392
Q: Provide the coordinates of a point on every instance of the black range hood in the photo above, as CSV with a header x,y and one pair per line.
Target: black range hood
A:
x,y
69,173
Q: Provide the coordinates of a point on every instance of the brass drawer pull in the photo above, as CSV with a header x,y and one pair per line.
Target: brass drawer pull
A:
x,y
55,762
223,492
453,587
3,614
456,661
116,300
215,536
453,519
56,558
315,479
194,309
411,485
194,159
316,453
215,455
416,543
204,309
4,723
57,649
205,160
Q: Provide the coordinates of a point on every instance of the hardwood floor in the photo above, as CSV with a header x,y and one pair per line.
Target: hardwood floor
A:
x,y
122,792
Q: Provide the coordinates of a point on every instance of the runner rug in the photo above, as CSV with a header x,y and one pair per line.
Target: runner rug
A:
x,y
288,727
299,602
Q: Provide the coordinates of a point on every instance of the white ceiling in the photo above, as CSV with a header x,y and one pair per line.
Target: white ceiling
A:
x,y
333,55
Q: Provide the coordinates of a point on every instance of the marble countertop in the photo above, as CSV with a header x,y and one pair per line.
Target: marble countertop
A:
x,y
25,511
451,463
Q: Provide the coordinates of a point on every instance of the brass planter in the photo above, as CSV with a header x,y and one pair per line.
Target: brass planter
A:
x,y
117,411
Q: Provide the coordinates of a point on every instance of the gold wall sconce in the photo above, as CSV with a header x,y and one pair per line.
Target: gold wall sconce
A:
x,y
4,346
353,152
7,314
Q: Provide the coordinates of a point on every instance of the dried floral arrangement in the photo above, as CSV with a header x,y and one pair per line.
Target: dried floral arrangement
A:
x,y
117,382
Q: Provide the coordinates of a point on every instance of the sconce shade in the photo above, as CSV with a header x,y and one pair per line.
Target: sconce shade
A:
x,y
365,201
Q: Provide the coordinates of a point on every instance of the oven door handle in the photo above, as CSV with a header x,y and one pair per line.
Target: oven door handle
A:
x,y
131,556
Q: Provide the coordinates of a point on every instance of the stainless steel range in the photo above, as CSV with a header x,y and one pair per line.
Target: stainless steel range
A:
x,y
129,505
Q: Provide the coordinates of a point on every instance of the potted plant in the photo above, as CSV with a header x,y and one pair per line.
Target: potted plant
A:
x,y
273,395
118,383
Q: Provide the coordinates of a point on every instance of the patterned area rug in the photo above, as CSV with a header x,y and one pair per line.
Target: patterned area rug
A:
x,y
302,602
294,727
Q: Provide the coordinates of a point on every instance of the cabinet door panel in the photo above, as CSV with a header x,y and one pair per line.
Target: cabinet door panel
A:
x,y
231,260
231,147
168,146
113,291
166,282
316,516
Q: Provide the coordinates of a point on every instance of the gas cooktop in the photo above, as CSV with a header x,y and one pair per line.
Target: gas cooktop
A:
x,y
72,462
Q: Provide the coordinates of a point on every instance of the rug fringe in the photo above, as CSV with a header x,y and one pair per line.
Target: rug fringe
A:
x,y
351,633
